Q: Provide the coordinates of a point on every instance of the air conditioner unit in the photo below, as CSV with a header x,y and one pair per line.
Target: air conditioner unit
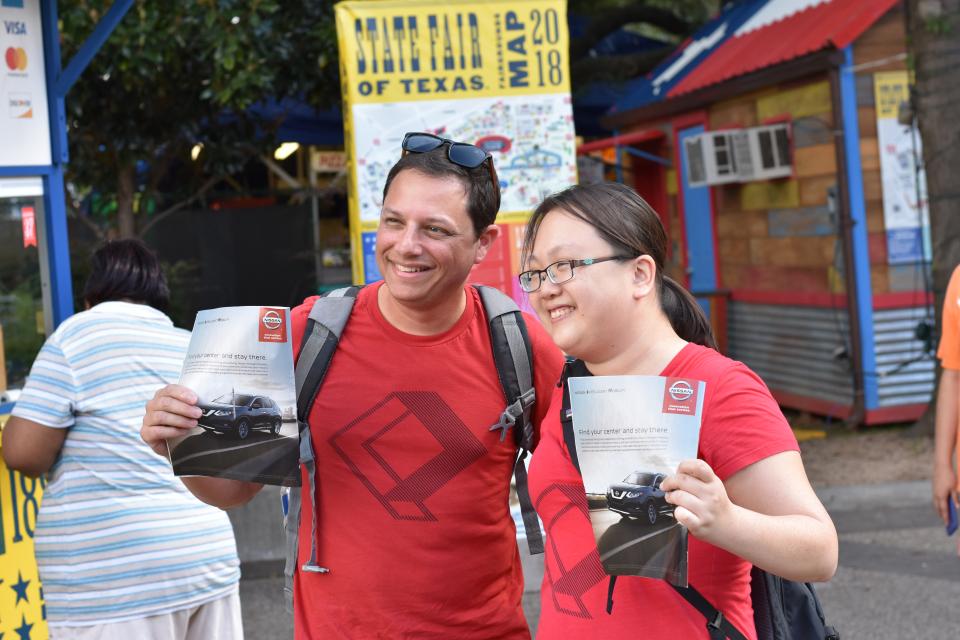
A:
x,y
739,155
711,158
770,150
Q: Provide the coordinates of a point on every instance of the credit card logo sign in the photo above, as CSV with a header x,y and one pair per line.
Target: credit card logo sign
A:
x,y
680,396
20,106
16,59
273,324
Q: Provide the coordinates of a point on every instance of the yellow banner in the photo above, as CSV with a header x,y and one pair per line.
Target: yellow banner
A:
x,y
400,51
494,74
22,612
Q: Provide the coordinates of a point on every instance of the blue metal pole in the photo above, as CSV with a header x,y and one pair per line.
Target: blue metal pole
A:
x,y
92,44
863,296
54,201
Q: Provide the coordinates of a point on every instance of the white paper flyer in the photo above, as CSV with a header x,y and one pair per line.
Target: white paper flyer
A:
x,y
631,432
240,364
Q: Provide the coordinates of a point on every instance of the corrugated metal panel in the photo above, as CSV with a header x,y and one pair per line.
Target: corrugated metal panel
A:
x,y
829,24
794,349
904,373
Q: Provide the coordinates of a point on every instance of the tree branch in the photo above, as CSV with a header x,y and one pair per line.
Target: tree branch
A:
x,y
209,184
90,224
609,21
615,68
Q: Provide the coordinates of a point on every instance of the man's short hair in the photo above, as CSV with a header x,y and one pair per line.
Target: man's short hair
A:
x,y
482,193
126,270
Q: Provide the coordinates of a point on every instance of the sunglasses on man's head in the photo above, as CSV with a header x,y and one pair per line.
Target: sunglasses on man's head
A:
x,y
466,155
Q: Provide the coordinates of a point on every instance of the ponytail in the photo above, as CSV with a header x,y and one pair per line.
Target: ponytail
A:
x,y
685,315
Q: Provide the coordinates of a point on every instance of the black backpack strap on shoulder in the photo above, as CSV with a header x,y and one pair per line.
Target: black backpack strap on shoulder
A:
x,y
325,325
513,358
572,368
718,626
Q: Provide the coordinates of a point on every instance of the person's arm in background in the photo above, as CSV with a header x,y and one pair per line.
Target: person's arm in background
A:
x,y
947,419
169,414
30,447
945,442
43,414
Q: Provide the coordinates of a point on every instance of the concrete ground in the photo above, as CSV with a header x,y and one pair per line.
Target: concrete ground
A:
x,y
899,574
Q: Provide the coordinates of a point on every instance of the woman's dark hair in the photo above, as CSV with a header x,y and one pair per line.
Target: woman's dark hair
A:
x,y
482,193
126,270
631,227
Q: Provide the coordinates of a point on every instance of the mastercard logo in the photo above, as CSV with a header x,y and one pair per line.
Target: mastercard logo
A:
x,y
16,59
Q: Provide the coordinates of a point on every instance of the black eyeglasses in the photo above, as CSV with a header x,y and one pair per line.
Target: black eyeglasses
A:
x,y
559,272
466,155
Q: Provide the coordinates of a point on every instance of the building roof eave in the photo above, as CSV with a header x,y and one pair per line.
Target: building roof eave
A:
x,y
816,62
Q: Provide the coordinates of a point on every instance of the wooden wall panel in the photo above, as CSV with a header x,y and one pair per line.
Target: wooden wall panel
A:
x,y
813,191
875,222
869,155
818,160
734,251
877,247
770,194
806,221
792,252
807,100
867,120
886,38
879,279
746,224
733,113
812,130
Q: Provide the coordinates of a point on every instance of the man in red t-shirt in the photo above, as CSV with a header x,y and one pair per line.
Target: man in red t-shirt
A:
x,y
412,487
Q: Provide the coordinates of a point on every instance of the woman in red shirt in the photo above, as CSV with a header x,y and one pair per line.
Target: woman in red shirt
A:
x,y
745,500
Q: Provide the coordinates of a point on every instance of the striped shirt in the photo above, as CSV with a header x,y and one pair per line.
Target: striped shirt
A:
x,y
118,537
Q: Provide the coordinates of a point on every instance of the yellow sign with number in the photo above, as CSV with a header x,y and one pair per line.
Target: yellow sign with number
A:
x,y
22,612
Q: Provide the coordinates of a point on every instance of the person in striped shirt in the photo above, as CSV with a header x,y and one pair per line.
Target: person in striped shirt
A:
x,y
123,549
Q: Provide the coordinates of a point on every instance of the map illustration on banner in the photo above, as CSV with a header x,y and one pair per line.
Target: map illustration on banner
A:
x,y
531,142
493,74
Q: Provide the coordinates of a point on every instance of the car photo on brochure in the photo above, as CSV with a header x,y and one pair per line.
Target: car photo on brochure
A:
x,y
639,497
237,414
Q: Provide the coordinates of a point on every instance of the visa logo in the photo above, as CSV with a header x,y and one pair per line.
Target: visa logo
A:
x,y
15,27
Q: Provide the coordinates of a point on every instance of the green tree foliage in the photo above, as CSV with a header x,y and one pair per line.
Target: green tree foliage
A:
x,y
178,73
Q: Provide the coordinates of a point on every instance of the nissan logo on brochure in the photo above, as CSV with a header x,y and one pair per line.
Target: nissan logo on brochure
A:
x,y
680,396
273,325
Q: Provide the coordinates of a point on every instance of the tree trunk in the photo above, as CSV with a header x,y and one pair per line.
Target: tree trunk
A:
x,y
126,225
933,31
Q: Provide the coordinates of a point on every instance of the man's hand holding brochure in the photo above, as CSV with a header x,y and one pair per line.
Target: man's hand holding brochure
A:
x,y
240,366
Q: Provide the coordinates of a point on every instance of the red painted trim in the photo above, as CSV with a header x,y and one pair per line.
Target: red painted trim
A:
x,y
813,405
902,300
636,137
900,413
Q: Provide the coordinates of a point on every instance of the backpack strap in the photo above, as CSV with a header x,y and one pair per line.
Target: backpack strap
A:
x,y
325,325
513,357
718,626
571,368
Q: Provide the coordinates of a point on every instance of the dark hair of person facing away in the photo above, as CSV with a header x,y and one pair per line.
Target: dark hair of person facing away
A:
x,y
126,270
482,193
631,227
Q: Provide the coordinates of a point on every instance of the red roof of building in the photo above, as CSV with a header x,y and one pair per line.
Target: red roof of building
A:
x,y
835,23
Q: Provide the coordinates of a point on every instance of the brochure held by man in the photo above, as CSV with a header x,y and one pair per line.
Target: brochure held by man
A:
x,y
240,364
631,432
